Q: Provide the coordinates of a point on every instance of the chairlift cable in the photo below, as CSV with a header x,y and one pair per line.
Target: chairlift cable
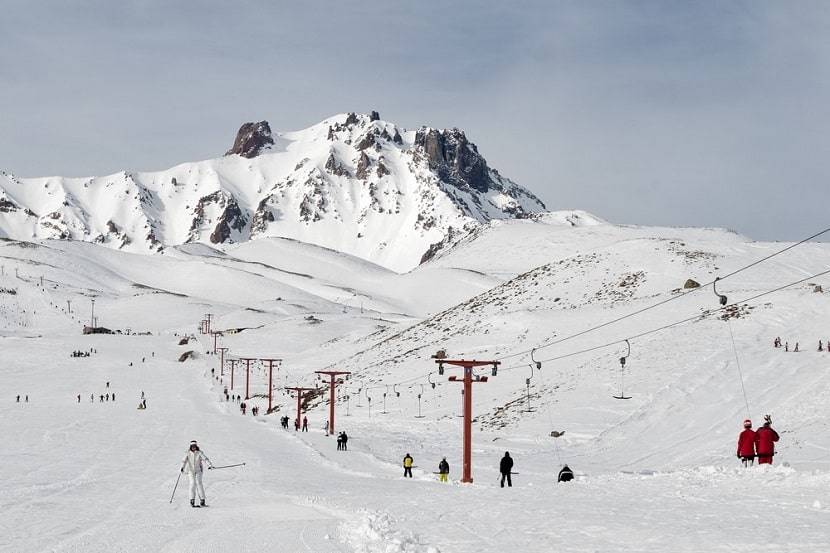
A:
x,y
669,299
676,323
740,372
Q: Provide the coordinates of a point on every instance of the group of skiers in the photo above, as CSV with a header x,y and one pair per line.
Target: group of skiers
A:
x,y
26,400
505,470
342,442
81,353
757,444
777,343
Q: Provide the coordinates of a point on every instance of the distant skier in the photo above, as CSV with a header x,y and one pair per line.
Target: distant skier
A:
x,y
102,398
407,465
796,347
443,470
765,438
92,398
786,346
18,398
108,384
305,424
565,475
79,398
193,463
326,426
505,467
113,396
108,397
821,346
746,444
345,442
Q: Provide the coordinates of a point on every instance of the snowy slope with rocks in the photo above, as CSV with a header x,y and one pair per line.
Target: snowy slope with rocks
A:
x,y
654,473
353,183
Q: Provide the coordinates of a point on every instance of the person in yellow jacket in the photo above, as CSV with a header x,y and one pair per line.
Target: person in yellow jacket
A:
x,y
407,465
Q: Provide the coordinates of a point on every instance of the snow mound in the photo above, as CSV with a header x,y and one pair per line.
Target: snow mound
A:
x,y
376,533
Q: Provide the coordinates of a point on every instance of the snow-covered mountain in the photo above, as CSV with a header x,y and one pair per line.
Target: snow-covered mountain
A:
x,y
353,183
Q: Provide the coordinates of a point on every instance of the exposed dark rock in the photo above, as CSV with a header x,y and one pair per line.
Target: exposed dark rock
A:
x,y
262,216
335,167
374,116
382,170
7,206
396,138
691,284
231,217
366,141
454,158
363,166
351,119
187,355
452,236
251,139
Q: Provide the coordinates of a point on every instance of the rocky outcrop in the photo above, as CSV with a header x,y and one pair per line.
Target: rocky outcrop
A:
x,y
454,158
230,218
252,139
335,167
363,163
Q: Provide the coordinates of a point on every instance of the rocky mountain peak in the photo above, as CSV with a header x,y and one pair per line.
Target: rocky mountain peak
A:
x,y
252,139
454,158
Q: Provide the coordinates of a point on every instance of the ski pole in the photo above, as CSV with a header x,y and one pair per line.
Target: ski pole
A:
x,y
228,466
176,486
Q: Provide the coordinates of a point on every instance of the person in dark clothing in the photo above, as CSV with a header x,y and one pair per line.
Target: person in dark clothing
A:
x,y
566,474
505,467
340,441
407,465
305,424
443,470
345,442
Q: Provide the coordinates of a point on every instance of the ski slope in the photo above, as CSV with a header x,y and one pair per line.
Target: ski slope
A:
x,y
654,473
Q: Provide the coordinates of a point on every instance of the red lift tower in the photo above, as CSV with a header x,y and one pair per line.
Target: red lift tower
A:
x,y
270,362
300,392
207,322
332,383
215,338
222,351
247,375
467,380
233,363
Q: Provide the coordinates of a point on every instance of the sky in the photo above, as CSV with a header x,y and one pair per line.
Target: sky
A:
x,y
654,113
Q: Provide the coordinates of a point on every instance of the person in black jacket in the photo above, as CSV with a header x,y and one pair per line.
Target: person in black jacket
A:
x,y
505,467
566,474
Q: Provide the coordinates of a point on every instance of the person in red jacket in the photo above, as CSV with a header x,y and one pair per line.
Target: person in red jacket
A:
x,y
746,444
765,438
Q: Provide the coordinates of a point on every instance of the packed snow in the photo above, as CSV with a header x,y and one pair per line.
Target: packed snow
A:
x,y
654,473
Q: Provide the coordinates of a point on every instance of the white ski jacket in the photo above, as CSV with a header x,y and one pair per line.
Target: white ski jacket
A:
x,y
193,461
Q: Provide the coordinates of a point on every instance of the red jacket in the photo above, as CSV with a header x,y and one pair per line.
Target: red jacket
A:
x,y
746,443
765,438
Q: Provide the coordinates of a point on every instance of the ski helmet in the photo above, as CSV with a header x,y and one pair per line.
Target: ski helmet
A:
x,y
747,423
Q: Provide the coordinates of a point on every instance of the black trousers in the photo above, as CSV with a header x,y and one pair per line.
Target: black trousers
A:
x,y
506,476
407,471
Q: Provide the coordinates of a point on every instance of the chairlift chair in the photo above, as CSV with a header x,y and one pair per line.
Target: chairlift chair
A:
x,y
622,372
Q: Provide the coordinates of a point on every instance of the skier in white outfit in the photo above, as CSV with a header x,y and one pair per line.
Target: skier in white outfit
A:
x,y
192,464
